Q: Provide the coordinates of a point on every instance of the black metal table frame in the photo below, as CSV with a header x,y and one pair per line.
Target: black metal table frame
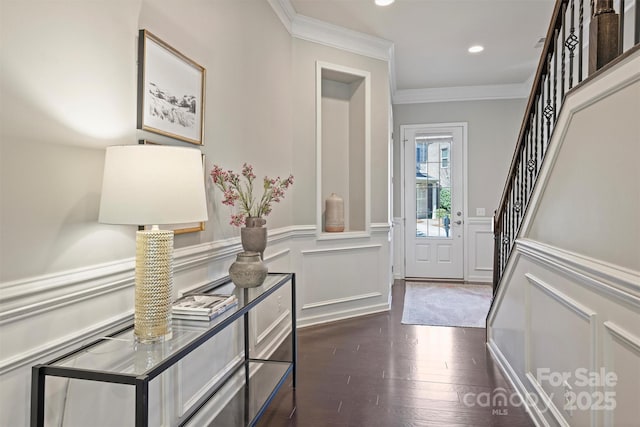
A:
x,y
141,382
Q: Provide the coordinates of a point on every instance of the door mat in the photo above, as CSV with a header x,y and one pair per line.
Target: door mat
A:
x,y
446,304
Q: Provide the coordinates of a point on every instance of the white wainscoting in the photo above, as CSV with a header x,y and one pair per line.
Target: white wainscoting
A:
x,y
43,317
398,248
479,251
561,313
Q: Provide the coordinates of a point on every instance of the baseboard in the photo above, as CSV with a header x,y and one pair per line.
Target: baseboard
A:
x,y
511,376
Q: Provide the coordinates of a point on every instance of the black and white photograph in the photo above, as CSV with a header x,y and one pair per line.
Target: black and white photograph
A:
x,y
170,91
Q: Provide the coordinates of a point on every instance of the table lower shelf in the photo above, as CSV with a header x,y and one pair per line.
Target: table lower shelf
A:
x,y
241,403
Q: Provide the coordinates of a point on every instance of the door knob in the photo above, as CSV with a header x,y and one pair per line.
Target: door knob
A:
x,y
459,222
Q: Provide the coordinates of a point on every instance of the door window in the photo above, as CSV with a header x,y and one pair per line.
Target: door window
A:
x,y
433,186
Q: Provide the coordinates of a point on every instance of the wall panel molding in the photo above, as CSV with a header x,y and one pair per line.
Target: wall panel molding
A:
x,y
342,314
50,349
579,309
339,249
624,336
340,300
479,249
608,279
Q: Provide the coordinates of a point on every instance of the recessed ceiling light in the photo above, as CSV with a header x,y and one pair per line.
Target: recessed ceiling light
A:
x,y
476,49
384,2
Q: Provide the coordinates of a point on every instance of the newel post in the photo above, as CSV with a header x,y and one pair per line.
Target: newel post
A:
x,y
603,35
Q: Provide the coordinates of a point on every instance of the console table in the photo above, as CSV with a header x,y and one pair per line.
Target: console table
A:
x,y
255,381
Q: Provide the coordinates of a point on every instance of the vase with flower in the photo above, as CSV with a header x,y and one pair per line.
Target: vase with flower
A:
x,y
238,191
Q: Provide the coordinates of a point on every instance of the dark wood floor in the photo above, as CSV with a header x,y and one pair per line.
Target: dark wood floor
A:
x,y
375,371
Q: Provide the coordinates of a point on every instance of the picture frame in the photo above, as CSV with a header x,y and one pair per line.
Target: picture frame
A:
x,y
191,227
171,91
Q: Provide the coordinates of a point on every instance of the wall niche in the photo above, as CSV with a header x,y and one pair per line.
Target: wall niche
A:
x,y
343,97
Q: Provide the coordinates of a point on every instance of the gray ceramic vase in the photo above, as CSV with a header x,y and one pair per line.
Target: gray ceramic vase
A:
x,y
248,270
254,235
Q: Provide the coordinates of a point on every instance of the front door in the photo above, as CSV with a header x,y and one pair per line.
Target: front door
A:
x,y
434,188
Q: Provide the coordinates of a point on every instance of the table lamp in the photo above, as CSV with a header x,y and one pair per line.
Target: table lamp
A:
x,y
153,185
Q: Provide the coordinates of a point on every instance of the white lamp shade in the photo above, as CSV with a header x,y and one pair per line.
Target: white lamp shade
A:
x,y
152,185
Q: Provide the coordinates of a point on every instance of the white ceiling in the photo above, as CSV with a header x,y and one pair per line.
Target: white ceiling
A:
x,y
431,38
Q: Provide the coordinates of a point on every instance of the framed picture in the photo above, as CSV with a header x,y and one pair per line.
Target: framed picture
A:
x,y
191,227
170,91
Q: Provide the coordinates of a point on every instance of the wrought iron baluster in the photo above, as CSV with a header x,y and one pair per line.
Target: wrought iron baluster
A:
x,y
539,107
555,73
580,23
509,219
514,219
531,163
523,177
518,206
548,109
505,241
534,118
523,162
571,43
636,37
563,60
621,27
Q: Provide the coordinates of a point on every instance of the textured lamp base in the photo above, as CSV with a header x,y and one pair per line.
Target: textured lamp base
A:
x,y
154,285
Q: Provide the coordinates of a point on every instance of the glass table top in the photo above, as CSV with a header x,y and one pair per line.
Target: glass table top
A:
x,y
121,354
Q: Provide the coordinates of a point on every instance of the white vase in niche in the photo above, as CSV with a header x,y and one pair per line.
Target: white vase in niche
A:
x,y
334,214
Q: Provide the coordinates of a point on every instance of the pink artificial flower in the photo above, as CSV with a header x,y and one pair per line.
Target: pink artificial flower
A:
x,y
234,190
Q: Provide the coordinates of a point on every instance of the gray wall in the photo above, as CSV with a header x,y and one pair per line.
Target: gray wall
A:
x,y
68,87
493,128
305,55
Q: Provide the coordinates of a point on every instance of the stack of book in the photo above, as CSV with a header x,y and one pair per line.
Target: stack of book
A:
x,y
202,307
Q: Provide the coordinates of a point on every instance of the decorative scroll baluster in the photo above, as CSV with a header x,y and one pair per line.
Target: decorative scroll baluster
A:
x,y
525,161
505,245
531,163
523,173
571,43
510,219
549,109
534,124
540,124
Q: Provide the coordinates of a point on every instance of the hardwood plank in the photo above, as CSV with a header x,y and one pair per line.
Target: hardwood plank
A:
x,y
375,371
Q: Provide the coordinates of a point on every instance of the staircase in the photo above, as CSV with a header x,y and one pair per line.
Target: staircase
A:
x,y
567,232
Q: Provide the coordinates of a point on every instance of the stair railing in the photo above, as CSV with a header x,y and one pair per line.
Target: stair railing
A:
x,y
562,66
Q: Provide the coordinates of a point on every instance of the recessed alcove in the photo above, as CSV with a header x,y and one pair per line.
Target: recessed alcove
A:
x,y
343,111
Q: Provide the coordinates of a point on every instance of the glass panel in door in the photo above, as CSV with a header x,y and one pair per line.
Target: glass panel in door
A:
x,y
433,186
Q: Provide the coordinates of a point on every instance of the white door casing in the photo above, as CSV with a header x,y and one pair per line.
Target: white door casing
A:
x,y
434,226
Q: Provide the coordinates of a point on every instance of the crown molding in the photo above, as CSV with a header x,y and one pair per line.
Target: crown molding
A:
x,y
285,11
317,31
461,93
321,32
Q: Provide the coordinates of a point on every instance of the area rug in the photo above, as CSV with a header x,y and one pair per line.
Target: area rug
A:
x,y
446,304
